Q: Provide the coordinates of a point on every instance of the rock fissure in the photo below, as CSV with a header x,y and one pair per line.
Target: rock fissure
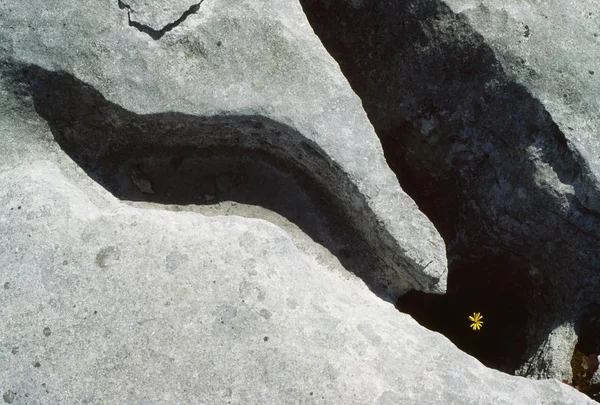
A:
x,y
179,132
179,159
415,59
154,33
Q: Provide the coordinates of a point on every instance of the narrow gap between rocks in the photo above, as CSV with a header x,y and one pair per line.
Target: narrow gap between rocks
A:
x,y
450,121
485,287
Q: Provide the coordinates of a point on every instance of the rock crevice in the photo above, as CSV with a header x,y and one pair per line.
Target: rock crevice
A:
x,y
157,34
477,150
173,158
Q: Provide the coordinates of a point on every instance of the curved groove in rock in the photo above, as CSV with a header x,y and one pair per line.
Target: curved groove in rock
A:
x,y
173,158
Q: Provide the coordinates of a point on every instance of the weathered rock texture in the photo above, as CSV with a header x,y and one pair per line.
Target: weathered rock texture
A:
x,y
114,94
107,303
111,121
489,115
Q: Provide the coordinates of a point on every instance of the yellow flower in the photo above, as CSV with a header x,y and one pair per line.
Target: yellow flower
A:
x,y
477,321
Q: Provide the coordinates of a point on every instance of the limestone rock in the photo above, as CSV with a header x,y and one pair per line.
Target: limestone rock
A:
x,y
121,286
236,78
488,113
104,302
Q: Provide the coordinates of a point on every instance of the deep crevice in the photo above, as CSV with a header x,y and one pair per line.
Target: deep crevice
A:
x,y
153,33
468,144
486,287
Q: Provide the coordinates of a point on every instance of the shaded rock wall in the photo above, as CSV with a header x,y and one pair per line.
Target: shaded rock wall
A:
x,y
480,154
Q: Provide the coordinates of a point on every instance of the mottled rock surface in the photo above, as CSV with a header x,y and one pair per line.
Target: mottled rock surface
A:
x,y
108,303
131,154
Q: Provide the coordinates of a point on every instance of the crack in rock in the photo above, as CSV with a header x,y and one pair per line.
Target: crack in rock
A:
x,y
172,158
153,33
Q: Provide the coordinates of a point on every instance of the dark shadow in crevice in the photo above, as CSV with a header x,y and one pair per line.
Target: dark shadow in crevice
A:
x,y
501,341
584,362
469,145
174,158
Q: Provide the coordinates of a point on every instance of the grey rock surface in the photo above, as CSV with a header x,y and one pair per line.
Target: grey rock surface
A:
x,y
596,376
245,77
128,272
489,114
551,48
107,303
